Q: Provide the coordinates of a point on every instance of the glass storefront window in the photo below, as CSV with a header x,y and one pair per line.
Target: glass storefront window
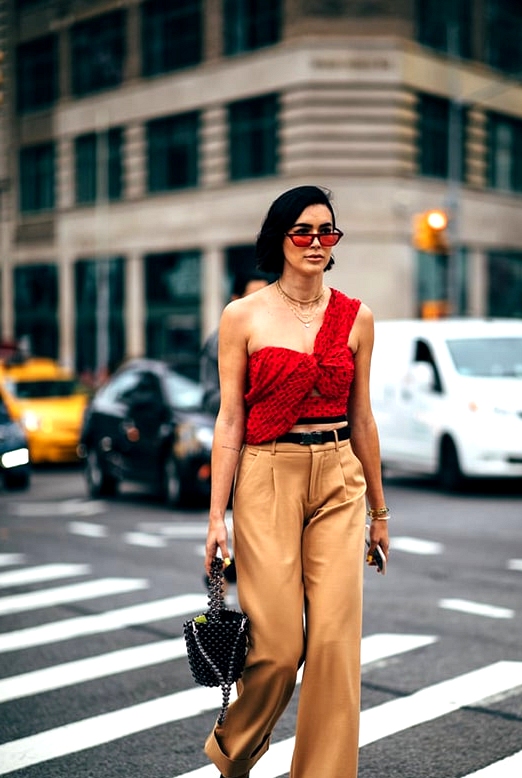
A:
x,y
505,284
36,308
99,326
173,301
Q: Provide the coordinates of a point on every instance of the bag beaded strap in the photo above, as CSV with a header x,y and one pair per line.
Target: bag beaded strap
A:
x,y
216,603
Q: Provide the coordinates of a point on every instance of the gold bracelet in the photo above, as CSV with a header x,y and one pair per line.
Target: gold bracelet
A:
x,y
378,513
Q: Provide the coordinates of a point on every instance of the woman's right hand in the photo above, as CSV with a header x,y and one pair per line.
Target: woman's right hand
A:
x,y
217,539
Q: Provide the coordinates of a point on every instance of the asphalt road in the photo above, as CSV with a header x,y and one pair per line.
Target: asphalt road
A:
x,y
94,680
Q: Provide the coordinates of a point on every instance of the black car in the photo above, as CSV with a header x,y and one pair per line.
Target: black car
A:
x,y
15,469
146,425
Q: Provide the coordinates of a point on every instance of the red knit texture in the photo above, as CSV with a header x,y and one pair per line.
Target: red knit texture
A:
x,y
285,385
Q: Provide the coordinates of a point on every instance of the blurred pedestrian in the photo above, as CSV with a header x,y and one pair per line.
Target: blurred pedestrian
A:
x,y
296,430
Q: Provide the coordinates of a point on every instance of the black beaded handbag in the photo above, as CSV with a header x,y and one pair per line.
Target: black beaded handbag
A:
x,y
217,641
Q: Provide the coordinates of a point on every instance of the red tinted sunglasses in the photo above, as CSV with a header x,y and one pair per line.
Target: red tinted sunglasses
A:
x,y
304,240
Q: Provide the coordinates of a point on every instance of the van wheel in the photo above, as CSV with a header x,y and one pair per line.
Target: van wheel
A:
x,y
99,484
450,475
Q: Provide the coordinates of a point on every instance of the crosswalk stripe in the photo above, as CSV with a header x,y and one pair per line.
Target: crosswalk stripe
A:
x,y
82,670
109,621
374,648
59,595
477,608
89,733
6,560
397,715
42,573
504,768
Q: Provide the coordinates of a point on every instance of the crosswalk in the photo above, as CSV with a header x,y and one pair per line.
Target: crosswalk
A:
x,y
479,685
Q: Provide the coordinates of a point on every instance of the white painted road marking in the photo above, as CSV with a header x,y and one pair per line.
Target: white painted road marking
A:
x,y
515,564
41,573
75,507
144,539
87,529
88,590
416,546
109,621
477,608
106,727
6,560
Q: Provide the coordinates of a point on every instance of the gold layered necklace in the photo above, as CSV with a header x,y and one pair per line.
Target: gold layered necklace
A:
x,y
314,304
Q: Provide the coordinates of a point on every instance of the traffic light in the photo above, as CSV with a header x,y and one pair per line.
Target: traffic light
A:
x,y
429,231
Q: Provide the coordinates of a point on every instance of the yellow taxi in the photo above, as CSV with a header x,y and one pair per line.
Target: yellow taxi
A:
x,y
45,399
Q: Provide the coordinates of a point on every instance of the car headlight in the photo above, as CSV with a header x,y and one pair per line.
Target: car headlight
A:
x,y
205,436
15,458
31,421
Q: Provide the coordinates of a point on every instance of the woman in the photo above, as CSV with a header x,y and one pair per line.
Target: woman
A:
x,y
296,429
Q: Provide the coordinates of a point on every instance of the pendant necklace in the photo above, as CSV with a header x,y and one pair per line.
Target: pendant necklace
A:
x,y
305,319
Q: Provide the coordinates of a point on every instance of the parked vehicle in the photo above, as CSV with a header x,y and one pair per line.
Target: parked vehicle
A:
x,y
47,401
146,426
15,471
447,397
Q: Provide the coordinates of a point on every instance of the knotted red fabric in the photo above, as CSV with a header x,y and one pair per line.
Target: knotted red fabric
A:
x,y
285,385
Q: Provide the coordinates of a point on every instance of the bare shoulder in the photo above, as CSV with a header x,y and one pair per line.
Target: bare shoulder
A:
x,y
238,315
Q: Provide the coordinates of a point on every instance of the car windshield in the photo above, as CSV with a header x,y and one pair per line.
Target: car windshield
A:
x,y
183,392
489,358
43,389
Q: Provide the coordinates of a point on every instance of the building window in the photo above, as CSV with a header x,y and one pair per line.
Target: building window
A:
x,y
251,24
36,308
253,138
99,166
505,284
173,148
173,300
442,134
37,178
172,35
504,153
445,25
99,327
504,35
97,53
36,74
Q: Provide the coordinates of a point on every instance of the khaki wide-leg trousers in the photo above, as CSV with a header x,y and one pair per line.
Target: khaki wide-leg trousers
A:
x,y
299,517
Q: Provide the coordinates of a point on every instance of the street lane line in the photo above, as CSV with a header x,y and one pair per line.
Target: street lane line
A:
x,y
510,767
144,539
87,529
109,621
416,546
88,590
6,560
515,564
374,648
400,714
106,727
477,608
82,670
41,573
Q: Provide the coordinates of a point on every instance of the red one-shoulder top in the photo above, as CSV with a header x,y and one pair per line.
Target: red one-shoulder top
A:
x,y
285,385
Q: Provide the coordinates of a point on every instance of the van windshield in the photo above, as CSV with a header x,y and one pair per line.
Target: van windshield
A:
x,y
489,358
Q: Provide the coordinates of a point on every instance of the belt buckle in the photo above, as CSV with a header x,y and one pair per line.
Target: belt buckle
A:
x,y
308,438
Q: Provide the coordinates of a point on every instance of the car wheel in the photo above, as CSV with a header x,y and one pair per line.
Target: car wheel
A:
x,y
17,481
99,484
170,482
450,474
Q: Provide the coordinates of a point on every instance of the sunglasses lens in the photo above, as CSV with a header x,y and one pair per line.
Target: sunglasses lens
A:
x,y
302,241
329,239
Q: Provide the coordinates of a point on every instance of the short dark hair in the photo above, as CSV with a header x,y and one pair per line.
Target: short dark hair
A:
x,y
281,216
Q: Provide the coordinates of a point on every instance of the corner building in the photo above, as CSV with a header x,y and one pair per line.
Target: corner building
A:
x,y
142,142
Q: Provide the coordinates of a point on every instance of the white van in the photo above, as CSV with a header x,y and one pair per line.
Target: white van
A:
x,y
447,397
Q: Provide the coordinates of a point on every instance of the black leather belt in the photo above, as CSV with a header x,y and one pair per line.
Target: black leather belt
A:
x,y
316,437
